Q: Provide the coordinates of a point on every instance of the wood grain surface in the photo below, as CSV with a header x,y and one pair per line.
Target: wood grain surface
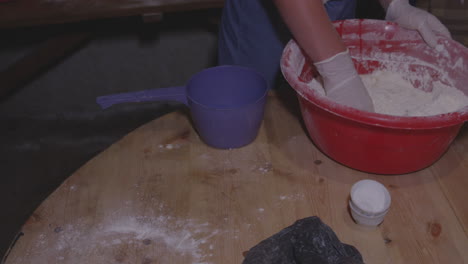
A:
x,y
16,13
160,195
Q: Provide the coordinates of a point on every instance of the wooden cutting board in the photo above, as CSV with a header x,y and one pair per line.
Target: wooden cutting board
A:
x,y
160,195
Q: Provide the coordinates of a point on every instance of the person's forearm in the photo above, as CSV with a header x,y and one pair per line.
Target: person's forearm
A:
x,y
311,27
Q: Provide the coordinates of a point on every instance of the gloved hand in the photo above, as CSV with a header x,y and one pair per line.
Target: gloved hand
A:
x,y
407,16
342,83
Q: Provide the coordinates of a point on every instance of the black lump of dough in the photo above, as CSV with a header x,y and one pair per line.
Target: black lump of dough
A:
x,y
307,241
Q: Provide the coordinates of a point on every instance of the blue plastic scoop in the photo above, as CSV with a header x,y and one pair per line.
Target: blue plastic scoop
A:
x,y
226,103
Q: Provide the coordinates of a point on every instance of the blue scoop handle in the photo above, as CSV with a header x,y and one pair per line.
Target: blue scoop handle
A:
x,y
177,93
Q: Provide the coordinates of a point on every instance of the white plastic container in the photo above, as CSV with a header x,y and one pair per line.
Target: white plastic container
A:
x,y
369,203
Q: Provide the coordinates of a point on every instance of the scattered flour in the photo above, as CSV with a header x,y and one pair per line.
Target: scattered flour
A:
x,y
156,239
393,95
169,146
267,167
292,197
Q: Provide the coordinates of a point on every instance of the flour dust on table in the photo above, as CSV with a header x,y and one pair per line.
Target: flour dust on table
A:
x,y
125,239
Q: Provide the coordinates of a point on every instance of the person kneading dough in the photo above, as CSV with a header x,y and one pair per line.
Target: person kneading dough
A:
x,y
253,33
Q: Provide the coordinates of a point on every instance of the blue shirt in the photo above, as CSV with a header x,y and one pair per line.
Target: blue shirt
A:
x,y
252,34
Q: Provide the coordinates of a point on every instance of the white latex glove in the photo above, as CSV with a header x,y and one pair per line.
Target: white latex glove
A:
x,y
342,82
410,17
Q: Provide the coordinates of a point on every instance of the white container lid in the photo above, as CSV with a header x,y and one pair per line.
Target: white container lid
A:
x,y
370,201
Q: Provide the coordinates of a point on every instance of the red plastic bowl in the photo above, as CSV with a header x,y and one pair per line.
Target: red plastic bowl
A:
x,y
372,142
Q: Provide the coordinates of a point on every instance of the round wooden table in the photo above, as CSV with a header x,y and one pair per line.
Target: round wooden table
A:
x,y
160,195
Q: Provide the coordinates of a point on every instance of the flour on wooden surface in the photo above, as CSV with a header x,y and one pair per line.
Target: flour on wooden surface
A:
x,y
292,197
394,95
267,167
147,239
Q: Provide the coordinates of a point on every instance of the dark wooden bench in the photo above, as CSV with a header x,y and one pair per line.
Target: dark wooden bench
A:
x,y
16,14
20,13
